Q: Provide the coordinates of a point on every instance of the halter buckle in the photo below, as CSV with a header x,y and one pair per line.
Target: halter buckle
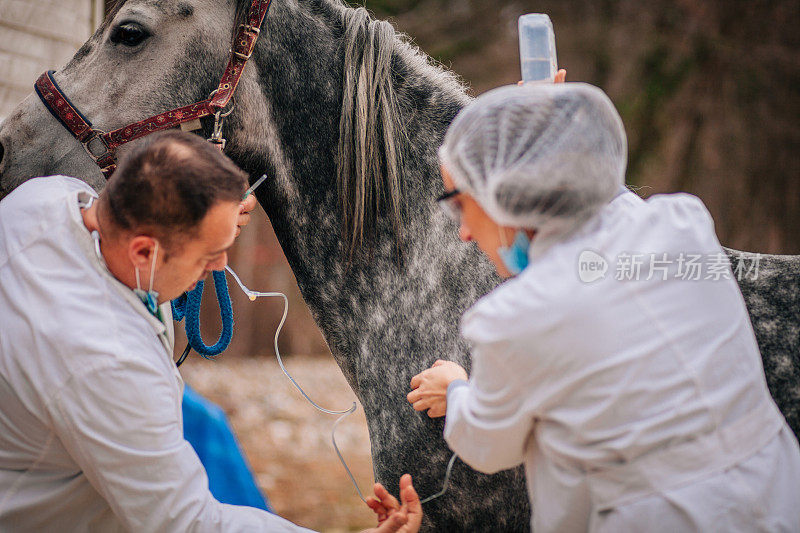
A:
x,y
250,29
96,142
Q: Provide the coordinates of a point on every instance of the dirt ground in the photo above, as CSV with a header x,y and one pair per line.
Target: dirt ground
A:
x,y
287,441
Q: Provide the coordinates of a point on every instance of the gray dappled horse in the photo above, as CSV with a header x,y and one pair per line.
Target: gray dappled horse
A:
x,y
346,118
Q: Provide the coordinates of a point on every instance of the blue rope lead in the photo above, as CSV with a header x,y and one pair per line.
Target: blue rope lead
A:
x,y
188,306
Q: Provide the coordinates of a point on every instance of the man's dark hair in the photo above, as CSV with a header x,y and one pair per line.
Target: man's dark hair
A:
x,y
166,185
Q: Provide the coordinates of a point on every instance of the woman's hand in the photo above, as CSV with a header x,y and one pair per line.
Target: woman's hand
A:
x,y
561,77
247,205
393,517
430,387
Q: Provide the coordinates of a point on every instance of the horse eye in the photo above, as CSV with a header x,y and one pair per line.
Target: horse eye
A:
x,y
129,34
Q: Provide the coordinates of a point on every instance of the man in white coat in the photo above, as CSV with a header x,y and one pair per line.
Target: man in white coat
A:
x,y
90,399
619,364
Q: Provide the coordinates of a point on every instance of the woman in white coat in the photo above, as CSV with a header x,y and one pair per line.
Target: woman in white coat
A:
x,y
618,364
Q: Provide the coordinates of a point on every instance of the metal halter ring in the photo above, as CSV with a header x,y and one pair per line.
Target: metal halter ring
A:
x,y
232,103
219,119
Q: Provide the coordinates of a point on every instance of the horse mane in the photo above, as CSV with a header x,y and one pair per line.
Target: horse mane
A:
x,y
371,138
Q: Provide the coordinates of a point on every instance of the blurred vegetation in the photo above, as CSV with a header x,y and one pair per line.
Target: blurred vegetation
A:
x,y
709,90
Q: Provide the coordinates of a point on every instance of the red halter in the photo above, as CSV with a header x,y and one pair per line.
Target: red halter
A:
x,y
101,145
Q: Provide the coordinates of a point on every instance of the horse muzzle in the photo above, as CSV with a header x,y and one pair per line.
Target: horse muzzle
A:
x,y
33,144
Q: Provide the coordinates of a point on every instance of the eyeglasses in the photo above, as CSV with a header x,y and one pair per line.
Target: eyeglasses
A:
x,y
448,203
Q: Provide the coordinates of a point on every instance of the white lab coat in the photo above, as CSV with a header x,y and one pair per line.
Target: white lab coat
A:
x,y
634,405
91,434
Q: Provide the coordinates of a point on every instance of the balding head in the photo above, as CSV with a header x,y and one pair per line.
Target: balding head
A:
x,y
166,185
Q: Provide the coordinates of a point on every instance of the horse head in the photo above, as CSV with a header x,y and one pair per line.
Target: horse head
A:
x,y
145,58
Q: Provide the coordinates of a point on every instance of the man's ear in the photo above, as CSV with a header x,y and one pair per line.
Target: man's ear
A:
x,y
140,251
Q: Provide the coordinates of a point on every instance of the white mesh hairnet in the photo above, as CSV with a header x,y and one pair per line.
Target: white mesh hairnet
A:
x,y
545,157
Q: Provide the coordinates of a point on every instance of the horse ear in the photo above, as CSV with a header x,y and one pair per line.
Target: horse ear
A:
x,y
371,139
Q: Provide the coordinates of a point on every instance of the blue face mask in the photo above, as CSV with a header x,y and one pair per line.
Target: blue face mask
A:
x,y
515,257
149,297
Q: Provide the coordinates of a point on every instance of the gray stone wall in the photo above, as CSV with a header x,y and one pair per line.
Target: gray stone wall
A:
x,y
36,35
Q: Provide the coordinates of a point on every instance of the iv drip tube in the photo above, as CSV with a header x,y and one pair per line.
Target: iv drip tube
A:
x,y
252,295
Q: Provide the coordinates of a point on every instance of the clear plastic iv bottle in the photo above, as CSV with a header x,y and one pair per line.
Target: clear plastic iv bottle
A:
x,y
537,48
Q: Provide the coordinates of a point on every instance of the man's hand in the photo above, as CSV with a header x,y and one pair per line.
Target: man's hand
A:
x,y
393,517
430,387
247,205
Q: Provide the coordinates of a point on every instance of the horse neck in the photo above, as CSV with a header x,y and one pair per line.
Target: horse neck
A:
x,y
374,308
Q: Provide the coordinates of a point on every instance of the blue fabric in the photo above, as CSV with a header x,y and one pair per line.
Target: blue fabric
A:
x,y
206,428
188,306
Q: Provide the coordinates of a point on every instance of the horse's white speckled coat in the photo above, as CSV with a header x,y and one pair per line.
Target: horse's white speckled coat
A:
x,y
386,316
